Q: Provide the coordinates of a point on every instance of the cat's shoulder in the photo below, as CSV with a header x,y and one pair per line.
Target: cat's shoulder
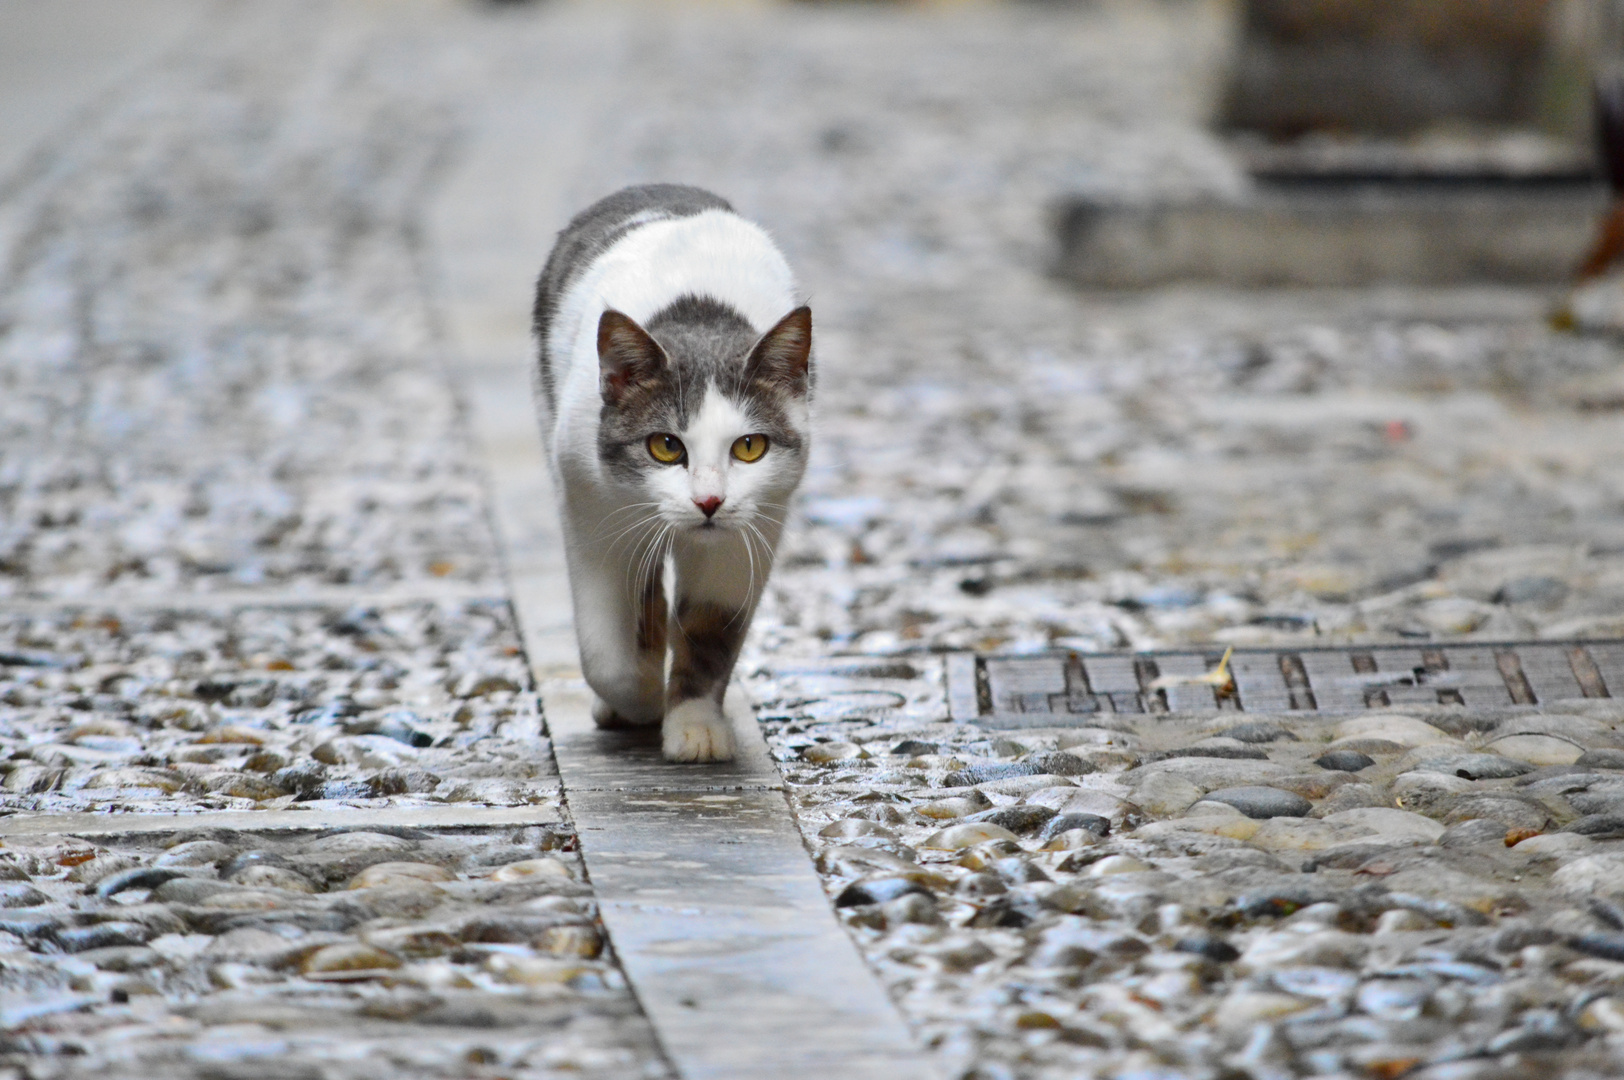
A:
x,y
597,228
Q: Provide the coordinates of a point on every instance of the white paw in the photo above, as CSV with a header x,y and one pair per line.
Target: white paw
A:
x,y
697,731
606,716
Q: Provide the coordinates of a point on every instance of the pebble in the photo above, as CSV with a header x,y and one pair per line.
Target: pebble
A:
x,y
196,853
1389,823
575,940
1601,758
241,785
1058,824
1017,819
546,869
1021,786
1165,794
1394,999
122,958
1215,949
959,837
102,936
1474,832
1349,761
1239,1011
265,876
1400,920
253,857
1262,802
402,873
19,894
1590,875
349,957
1404,731
976,775
1551,845
1060,763
1604,1014
240,899
1537,749
1227,749
878,891
1603,946
1429,788
1259,731
1071,840
1475,766
850,828
1117,864
956,807
537,970
358,842
412,942
1597,826
1504,807
829,753
189,890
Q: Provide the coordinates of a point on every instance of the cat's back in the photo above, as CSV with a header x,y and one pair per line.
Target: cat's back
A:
x,y
638,251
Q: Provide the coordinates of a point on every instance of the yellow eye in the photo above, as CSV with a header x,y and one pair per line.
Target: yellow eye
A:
x,y
749,447
667,449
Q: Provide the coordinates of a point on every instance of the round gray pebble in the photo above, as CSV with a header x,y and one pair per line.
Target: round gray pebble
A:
x,y
1345,761
1262,802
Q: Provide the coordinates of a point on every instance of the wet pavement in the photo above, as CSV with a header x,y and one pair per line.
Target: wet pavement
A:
x,y
246,566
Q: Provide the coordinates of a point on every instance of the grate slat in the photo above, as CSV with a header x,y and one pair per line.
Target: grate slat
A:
x,y
1260,683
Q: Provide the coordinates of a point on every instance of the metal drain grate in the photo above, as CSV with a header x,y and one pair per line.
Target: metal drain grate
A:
x,y
1060,688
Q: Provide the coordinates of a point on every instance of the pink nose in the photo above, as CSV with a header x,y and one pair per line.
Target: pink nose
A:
x,y
709,504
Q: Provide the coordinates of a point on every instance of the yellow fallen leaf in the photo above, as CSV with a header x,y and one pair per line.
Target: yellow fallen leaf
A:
x,y
1218,676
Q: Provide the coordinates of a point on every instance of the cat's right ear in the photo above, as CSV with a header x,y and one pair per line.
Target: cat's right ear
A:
x,y
627,356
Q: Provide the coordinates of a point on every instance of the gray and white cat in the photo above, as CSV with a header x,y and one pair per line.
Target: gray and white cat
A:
x,y
674,384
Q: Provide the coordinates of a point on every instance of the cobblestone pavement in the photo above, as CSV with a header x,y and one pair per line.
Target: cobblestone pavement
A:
x,y
219,378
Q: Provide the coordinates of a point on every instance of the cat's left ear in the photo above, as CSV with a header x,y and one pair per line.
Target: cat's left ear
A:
x,y
627,356
783,356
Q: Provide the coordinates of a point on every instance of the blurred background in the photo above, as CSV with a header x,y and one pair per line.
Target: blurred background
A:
x,y
1140,321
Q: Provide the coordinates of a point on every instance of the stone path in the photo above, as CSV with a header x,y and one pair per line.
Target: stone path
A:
x,y
298,779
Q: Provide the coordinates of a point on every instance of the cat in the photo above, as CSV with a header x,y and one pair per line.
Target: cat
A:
x,y
674,383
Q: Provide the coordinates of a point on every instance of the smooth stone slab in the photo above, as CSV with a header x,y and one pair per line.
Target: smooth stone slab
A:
x,y
629,759
717,916
1286,236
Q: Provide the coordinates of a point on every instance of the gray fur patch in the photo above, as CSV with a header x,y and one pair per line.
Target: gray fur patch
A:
x,y
594,231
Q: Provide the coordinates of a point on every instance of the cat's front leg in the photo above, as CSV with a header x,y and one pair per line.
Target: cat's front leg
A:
x,y
716,596
621,626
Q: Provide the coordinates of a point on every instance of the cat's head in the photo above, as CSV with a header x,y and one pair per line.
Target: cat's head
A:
x,y
702,416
